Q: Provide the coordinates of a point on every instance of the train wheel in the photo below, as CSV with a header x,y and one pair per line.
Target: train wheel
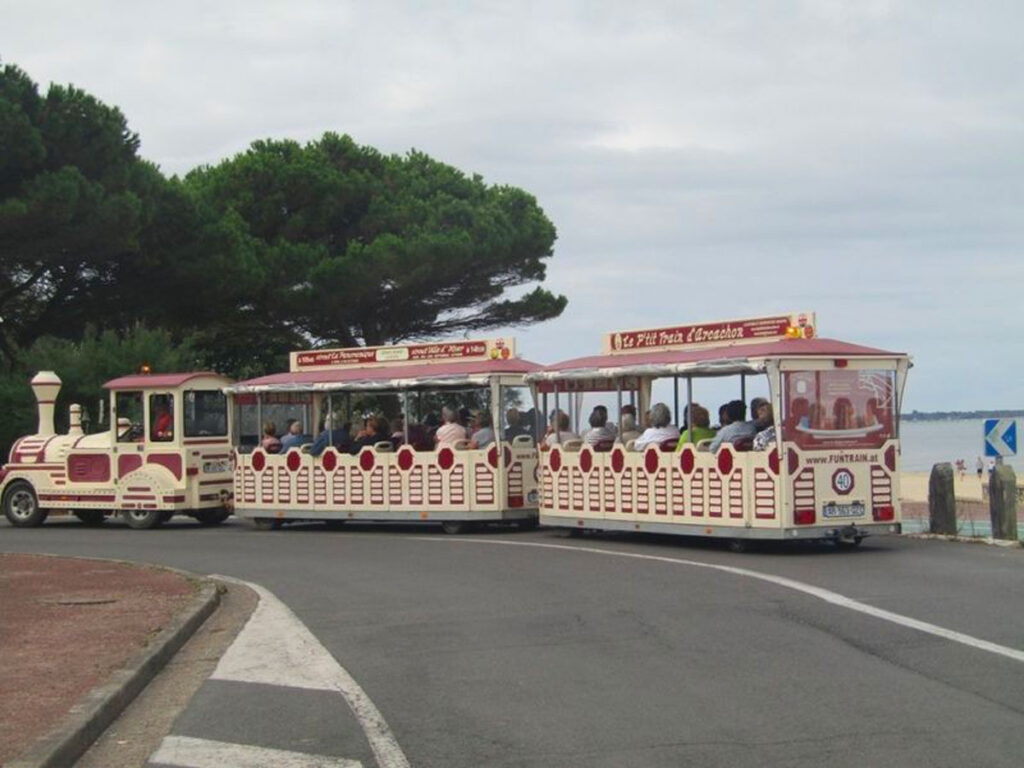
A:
x,y
575,533
21,506
90,517
455,527
267,523
209,517
529,525
739,545
144,518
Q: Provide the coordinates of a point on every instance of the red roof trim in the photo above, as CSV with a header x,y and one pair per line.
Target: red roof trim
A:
x,y
773,349
378,373
158,380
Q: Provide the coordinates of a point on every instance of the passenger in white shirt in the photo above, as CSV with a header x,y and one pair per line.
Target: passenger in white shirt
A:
x,y
451,431
559,432
599,431
483,435
661,428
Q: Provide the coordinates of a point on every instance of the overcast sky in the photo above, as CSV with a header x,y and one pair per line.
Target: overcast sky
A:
x,y
701,160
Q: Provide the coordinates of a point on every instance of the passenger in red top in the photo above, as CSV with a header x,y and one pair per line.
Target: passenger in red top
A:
x,y
163,428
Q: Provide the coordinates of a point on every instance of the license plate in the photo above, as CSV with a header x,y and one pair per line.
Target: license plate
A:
x,y
853,509
212,467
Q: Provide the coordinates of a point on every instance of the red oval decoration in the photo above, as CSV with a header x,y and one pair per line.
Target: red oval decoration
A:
x,y
890,458
651,461
294,460
773,461
366,459
492,456
446,458
686,461
618,460
330,460
586,460
725,461
508,455
794,461
405,459
259,461
555,460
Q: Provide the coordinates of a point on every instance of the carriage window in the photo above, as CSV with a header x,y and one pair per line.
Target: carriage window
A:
x,y
838,408
518,416
161,418
128,406
206,413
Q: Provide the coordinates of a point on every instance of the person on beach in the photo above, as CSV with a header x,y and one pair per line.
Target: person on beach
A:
x,y
980,466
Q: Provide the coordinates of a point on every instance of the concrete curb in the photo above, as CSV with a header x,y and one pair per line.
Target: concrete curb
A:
x,y
988,540
94,713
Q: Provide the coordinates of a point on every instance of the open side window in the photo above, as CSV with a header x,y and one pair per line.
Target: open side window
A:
x,y
161,418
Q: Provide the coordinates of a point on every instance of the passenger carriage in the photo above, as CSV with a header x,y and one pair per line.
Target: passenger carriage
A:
x,y
833,472
400,480
168,452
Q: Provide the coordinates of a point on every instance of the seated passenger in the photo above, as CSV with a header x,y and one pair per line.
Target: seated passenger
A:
x,y
660,430
515,426
374,431
600,431
397,431
294,438
629,430
765,423
451,431
163,428
700,430
418,438
558,431
270,442
736,428
483,434
337,436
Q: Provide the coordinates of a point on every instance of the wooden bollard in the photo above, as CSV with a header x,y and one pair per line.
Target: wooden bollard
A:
x,y
1002,502
941,500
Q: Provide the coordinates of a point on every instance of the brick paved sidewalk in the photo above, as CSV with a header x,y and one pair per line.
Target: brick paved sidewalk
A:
x,y
65,625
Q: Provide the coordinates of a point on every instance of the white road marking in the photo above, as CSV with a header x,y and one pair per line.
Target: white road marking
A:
x,y
276,648
808,589
185,752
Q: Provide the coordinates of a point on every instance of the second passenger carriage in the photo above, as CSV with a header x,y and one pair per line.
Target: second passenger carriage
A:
x,y
405,473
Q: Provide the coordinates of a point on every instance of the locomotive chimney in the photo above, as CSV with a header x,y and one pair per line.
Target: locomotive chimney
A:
x,y
75,420
45,386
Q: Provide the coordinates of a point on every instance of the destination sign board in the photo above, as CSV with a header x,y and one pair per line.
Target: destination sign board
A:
x,y
434,352
723,333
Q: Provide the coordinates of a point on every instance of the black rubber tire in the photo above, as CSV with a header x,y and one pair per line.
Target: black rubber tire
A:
x,y
739,546
267,523
91,517
143,519
529,525
575,533
21,505
455,527
211,517
166,515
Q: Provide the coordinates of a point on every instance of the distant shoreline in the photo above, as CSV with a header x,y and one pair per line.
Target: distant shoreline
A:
x,y
960,415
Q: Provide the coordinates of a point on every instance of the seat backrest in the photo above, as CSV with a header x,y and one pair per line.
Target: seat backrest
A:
x,y
522,441
603,446
461,445
572,445
384,446
743,444
668,446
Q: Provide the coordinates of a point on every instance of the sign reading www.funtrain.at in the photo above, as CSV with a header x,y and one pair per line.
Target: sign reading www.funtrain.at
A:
x,y
747,330
439,352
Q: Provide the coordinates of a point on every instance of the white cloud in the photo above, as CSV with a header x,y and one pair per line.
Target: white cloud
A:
x,y
700,160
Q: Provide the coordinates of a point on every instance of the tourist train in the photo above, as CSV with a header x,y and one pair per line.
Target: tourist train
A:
x,y
823,464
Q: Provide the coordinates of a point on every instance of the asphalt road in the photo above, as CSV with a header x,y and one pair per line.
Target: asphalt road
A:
x,y
487,650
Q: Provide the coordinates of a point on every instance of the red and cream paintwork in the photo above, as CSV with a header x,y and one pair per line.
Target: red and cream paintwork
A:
x,y
824,482
97,473
448,485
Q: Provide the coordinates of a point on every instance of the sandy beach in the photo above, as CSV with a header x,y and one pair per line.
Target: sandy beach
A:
x,y
914,486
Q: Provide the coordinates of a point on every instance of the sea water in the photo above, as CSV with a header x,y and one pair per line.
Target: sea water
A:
x,y
926,443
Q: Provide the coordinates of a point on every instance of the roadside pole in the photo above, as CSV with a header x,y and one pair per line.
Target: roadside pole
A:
x,y
1002,502
941,500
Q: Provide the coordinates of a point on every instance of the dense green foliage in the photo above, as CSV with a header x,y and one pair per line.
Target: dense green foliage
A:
x,y
281,247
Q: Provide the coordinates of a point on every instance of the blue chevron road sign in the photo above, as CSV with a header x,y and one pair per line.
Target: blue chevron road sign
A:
x,y
1000,437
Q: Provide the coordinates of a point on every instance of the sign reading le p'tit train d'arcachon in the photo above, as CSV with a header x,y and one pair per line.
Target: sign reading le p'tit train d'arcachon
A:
x,y
724,333
406,354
